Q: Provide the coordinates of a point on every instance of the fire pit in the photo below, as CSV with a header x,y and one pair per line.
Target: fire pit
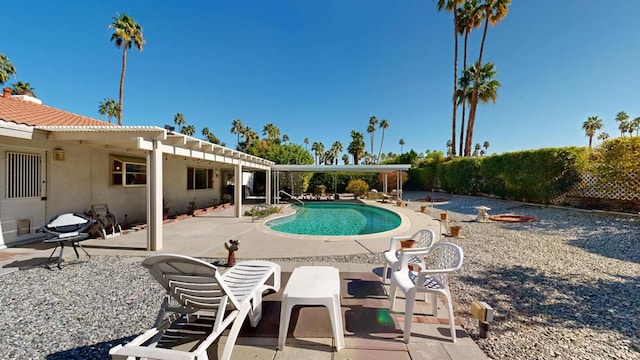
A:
x,y
512,218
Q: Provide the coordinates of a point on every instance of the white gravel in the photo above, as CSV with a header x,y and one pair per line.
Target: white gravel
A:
x,y
566,286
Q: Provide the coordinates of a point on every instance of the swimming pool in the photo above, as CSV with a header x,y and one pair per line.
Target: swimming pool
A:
x,y
331,218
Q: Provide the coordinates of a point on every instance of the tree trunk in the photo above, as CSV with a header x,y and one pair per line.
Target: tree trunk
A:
x,y
455,84
381,142
464,99
124,69
474,95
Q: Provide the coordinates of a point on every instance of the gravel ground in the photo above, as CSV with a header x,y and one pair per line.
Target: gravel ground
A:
x,y
566,286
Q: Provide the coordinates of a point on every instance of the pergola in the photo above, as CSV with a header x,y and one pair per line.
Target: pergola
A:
x,y
277,169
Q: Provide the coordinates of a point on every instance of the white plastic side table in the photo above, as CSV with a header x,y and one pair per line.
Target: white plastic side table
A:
x,y
312,285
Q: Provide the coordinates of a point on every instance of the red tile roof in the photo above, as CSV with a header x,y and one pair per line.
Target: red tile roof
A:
x,y
32,114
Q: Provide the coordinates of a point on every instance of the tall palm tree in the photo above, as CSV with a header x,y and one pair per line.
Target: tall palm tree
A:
x,y
476,149
6,69
635,123
306,143
237,127
179,120
486,145
469,19
108,108
126,34
622,118
356,146
494,12
486,90
336,149
371,129
590,126
401,142
384,124
449,146
450,6
318,149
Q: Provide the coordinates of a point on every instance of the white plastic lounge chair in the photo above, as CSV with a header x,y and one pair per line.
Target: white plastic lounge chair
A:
x,y
424,240
448,258
198,293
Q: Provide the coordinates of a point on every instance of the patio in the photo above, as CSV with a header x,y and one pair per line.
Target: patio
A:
x,y
363,296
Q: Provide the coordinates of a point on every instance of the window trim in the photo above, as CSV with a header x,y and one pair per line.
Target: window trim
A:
x,y
126,160
191,175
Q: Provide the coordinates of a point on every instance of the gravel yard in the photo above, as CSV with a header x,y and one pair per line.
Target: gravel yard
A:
x,y
566,286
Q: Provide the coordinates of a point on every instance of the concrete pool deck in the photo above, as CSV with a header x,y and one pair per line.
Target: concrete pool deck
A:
x,y
205,236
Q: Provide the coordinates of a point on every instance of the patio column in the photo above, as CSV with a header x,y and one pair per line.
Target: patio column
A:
x,y
237,190
267,186
384,184
154,197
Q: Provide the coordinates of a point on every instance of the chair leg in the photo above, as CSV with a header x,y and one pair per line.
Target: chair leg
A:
x,y
384,273
335,313
408,314
392,294
233,333
452,323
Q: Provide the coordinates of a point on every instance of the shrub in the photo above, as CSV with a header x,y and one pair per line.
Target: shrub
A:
x,y
357,187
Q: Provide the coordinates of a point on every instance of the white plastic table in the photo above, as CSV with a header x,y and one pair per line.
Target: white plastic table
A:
x,y
312,285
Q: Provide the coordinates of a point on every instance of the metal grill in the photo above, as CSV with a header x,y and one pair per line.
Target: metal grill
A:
x,y
23,175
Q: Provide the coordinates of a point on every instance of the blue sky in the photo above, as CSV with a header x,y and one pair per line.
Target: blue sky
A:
x,y
320,69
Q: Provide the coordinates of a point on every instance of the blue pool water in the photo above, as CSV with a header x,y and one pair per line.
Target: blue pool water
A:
x,y
336,219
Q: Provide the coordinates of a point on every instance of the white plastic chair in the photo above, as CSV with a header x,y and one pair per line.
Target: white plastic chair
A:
x,y
448,258
424,240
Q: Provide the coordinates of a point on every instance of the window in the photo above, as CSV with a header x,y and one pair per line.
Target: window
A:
x,y
23,175
198,178
128,171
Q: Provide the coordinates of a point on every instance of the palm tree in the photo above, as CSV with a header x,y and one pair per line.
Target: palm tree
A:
x,y
622,118
336,149
126,34
494,12
209,136
6,69
449,146
306,143
487,90
451,5
590,126
476,149
108,108
371,129
318,149
486,146
603,136
384,124
23,88
188,130
179,120
401,142
271,131
250,136
356,146
635,123
345,159
285,138
237,127
469,19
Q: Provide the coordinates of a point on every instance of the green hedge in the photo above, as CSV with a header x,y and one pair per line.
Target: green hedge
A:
x,y
534,175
